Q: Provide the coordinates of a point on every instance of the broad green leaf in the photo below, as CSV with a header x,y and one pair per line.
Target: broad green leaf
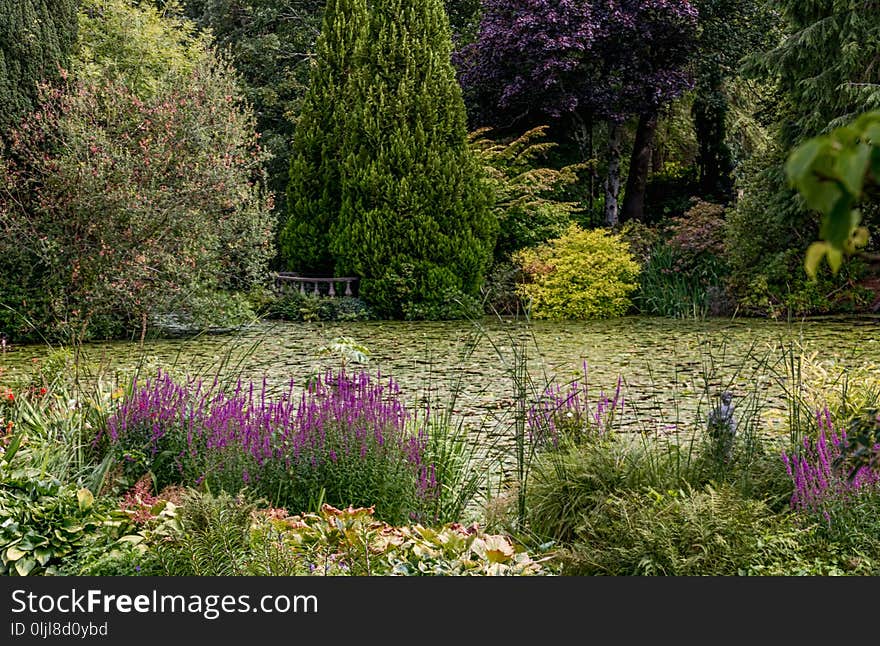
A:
x,y
134,539
814,255
14,553
85,498
838,223
846,136
851,167
24,565
821,195
875,162
835,259
801,159
42,554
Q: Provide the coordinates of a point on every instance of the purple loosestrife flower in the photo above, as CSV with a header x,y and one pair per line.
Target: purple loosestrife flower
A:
x,y
339,417
568,412
818,485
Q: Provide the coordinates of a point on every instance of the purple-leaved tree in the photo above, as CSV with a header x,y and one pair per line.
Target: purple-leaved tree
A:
x,y
583,59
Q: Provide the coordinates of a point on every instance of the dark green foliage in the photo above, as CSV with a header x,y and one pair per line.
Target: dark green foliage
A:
x,y
383,185
413,204
307,307
464,19
684,275
214,537
682,532
36,39
500,289
824,64
824,77
767,234
728,31
314,190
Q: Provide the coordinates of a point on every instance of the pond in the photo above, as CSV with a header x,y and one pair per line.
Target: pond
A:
x,y
670,370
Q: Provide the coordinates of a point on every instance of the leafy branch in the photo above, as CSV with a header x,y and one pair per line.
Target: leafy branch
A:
x,y
831,173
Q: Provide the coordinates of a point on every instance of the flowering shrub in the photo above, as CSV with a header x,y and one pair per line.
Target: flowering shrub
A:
x,y
698,236
822,487
348,439
175,181
683,276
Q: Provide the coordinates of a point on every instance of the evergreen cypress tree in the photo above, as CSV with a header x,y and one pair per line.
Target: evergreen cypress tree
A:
x,y
384,161
414,220
36,37
314,191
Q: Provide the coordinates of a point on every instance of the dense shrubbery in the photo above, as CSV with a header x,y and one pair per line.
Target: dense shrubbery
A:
x,y
131,189
767,235
524,203
46,521
308,307
684,274
580,275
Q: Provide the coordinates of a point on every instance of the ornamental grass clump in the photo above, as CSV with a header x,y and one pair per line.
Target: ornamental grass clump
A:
x,y
346,439
823,485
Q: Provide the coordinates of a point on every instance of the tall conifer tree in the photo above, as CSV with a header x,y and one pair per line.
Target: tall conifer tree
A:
x,y
36,38
826,69
412,216
827,64
314,192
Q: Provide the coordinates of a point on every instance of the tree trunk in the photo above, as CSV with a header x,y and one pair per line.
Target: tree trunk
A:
x,y
583,136
640,163
612,181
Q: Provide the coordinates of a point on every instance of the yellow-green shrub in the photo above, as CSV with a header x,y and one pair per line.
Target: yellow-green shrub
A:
x,y
580,275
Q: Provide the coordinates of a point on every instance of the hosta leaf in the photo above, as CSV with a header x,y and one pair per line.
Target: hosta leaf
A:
x,y
14,553
24,565
85,498
42,554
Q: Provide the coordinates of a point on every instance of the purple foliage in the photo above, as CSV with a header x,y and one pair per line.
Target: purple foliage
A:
x,y
338,417
568,412
818,484
609,58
